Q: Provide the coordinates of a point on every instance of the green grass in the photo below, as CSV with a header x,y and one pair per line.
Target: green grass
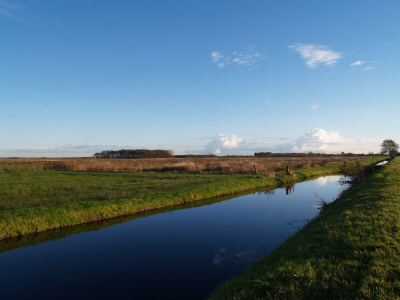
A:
x,y
350,251
36,201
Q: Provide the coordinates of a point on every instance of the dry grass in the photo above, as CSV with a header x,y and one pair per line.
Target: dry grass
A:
x,y
223,165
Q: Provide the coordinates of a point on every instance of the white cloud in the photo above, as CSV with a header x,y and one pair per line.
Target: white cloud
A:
x,y
220,143
316,55
316,140
357,63
216,56
249,56
368,68
320,141
315,106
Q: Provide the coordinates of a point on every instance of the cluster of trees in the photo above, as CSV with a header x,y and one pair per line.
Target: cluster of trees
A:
x,y
134,153
389,147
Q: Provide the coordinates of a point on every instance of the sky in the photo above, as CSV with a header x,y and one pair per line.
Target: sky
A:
x,y
198,77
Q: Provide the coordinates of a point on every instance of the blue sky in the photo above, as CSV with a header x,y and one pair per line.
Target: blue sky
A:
x,y
223,77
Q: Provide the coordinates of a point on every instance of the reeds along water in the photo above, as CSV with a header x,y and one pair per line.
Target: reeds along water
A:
x,y
218,165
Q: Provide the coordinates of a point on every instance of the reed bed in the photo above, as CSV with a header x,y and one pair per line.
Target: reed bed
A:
x,y
218,165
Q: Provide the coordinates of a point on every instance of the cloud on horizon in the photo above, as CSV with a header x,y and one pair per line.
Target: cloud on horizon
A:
x,y
221,144
320,141
316,55
316,140
66,149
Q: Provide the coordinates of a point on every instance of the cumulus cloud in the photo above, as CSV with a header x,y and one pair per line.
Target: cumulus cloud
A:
x,y
248,56
357,63
221,144
315,106
316,55
316,140
320,141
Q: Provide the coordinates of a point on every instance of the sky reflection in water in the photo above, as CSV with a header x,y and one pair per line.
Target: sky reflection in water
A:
x,y
179,254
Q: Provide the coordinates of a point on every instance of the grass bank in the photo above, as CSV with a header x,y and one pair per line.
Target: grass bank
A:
x,y
36,201
350,251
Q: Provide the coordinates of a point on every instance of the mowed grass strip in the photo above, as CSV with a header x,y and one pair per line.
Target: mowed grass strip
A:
x,y
351,251
36,201
50,188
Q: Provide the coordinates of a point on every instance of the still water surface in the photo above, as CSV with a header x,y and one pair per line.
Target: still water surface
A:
x,y
183,253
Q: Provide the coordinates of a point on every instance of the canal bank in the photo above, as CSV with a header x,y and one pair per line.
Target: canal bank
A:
x,y
350,251
56,212
182,252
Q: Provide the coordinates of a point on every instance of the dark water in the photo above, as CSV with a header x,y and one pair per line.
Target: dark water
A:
x,y
183,253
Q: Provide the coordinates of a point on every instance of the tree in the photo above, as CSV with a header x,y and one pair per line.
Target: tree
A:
x,y
389,147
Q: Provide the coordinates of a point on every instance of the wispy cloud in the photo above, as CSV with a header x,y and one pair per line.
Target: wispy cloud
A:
x,y
11,10
284,138
317,55
58,22
247,57
216,56
357,63
368,68
84,150
315,106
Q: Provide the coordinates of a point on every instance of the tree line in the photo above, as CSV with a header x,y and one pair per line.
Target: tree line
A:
x,y
134,153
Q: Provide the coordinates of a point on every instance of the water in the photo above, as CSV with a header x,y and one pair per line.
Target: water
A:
x,y
382,163
179,253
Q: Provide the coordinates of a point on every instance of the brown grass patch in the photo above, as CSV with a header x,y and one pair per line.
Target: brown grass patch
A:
x,y
226,165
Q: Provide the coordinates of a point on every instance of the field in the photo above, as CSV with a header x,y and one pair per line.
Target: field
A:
x,y
351,251
223,165
35,198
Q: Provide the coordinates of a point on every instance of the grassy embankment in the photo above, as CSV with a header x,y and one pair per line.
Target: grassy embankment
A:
x,y
350,251
36,201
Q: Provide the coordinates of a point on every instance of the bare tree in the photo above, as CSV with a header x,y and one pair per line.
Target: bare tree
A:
x,y
389,147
